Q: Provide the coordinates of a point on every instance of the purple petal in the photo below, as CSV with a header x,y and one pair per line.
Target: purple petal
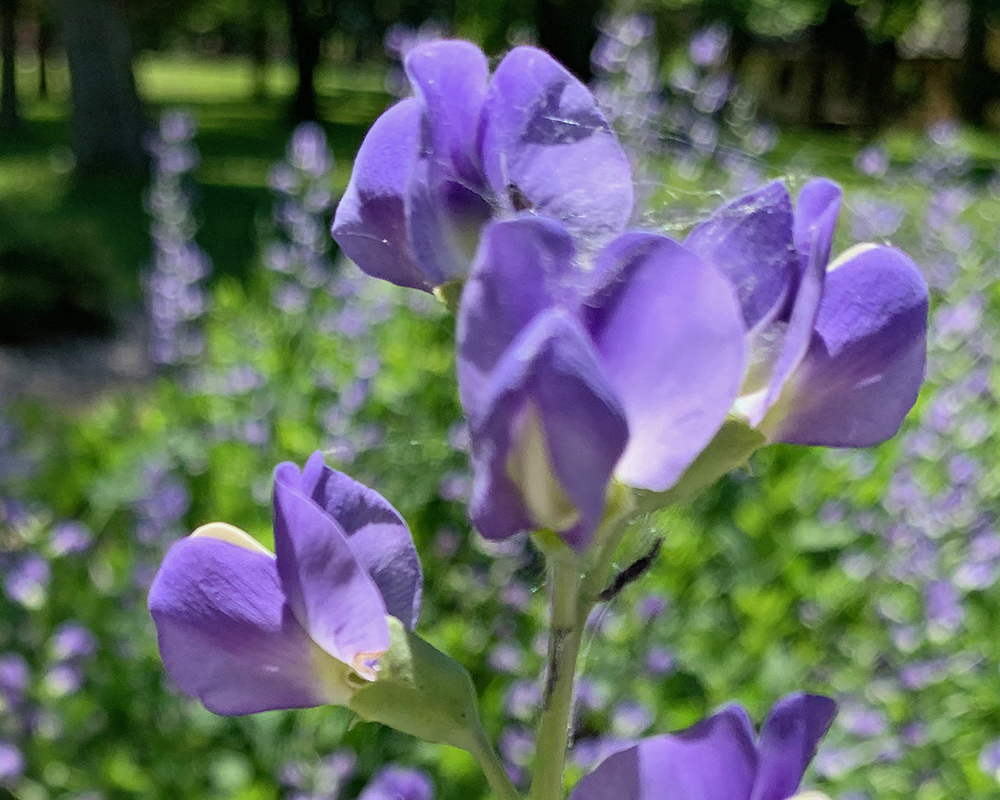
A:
x,y
444,218
370,223
524,266
866,360
225,633
788,741
816,219
376,532
548,402
449,79
671,339
328,590
546,146
815,222
750,241
713,760
447,205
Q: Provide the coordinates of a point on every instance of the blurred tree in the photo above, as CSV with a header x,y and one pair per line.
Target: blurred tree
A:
x,y
107,124
250,28
568,30
9,113
978,82
308,23
43,47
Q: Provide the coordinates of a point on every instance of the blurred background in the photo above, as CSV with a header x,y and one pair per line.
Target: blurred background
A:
x,y
175,320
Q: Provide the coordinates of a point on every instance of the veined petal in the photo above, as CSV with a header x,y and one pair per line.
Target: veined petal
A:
x,y
788,741
226,635
547,147
866,359
815,222
670,335
523,267
370,223
549,436
749,240
329,592
444,218
377,534
713,760
449,79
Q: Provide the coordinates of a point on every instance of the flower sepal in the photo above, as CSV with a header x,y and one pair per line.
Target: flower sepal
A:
x,y
422,692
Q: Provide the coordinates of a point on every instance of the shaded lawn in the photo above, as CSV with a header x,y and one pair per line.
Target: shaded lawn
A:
x,y
238,138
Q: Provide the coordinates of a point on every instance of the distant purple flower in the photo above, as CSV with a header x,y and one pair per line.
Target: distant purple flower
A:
x,y
517,746
11,763
523,699
872,161
506,658
72,641
569,376
245,631
660,662
28,582
15,677
708,46
989,760
943,607
590,696
837,351
719,758
307,150
650,607
70,537
63,679
631,719
399,783
469,146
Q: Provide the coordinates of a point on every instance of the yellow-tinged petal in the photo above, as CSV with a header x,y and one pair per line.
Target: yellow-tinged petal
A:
x,y
230,533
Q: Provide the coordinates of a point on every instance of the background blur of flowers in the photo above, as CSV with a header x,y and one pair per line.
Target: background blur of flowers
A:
x,y
176,320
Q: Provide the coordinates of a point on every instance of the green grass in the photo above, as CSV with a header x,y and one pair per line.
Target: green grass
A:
x,y
238,137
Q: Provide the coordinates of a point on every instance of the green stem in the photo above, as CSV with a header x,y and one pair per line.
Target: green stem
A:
x,y
568,620
496,776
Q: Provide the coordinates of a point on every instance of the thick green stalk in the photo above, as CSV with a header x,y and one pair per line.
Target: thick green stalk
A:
x,y
564,647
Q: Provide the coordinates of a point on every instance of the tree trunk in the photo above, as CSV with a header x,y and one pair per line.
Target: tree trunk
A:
x,y
258,55
976,82
568,30
108,124
43,46
9,115
306,41
879,85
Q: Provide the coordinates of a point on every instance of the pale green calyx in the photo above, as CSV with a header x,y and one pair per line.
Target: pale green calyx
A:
x,y
422,692
529,465
730,449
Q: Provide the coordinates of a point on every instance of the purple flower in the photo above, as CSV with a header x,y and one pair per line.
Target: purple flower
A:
x,y
469,146
570,375
719,758
11,763
70,537
399,783
72,641
836,351
245,631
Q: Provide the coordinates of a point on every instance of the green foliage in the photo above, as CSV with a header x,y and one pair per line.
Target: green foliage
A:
x,y
55,277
